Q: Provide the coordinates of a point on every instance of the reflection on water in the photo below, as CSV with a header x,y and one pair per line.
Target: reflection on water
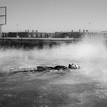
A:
x,y
84,87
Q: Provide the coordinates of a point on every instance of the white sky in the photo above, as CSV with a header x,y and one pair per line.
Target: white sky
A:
x,y
55,15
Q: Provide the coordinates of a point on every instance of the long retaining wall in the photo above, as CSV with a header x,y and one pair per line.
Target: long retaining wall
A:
x,y
41,38
35,42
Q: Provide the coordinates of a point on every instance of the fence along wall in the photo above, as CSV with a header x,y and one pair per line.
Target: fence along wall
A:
x,y
95,34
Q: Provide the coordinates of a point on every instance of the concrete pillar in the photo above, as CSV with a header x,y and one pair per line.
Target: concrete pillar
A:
x,y
0,31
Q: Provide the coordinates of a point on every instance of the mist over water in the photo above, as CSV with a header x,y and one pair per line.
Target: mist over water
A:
x,y
90,54
82,87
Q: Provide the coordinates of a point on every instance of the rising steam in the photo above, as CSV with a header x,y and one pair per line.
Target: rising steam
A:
x,y
90,54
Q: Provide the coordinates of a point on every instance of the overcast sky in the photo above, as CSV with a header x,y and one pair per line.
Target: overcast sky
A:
x,y
55,15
